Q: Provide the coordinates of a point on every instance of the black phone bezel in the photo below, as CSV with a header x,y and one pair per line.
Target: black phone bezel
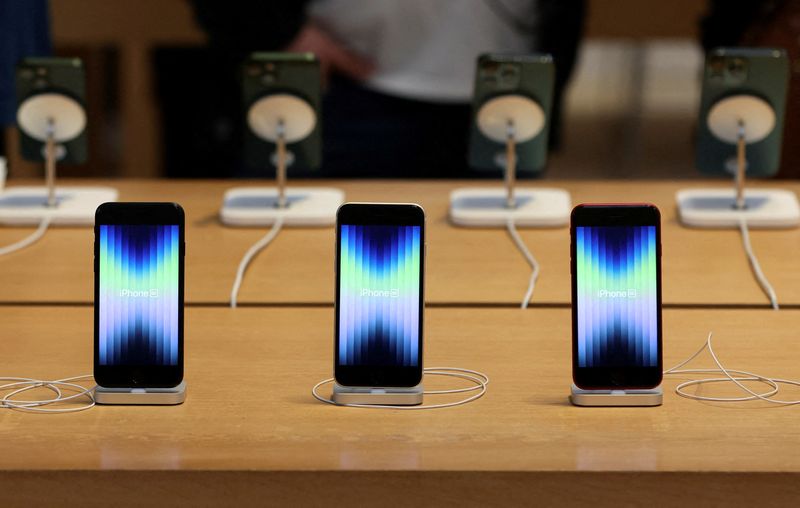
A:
x,y
139,376
615,378
379,214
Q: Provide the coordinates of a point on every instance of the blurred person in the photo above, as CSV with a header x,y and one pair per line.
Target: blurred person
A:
x,y
398,74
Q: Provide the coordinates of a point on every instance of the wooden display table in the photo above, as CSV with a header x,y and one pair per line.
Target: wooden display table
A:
x,y
465,266
250,432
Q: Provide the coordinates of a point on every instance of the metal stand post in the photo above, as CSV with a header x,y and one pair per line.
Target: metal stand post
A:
x,y
297,206
741,167
50,164
511,166
281,164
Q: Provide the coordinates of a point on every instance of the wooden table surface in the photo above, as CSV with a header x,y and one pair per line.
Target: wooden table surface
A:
x,y
465,266
250,428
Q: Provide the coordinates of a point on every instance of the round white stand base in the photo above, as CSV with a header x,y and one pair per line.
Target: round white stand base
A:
x,y
714,208
257,206
26,206
485,207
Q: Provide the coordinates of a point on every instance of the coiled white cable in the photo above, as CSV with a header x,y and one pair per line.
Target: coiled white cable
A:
x,y
250,254
755,266
18,385
731,375
512,231
28,240
480,379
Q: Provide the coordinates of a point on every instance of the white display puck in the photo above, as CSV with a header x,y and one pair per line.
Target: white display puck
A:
x,y
297,115
36,113
754,113
526,115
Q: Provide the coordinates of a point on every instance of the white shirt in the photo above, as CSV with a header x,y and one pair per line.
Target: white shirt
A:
x,y
427,49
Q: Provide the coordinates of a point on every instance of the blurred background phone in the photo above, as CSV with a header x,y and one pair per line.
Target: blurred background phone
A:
x,y
528,75
761,72
65,76
297,74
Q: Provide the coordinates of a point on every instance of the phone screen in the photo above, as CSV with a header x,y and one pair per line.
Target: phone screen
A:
x,y
617,296
138,295
379,295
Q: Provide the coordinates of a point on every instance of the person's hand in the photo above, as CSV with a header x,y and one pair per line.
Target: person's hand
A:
x,y
333,56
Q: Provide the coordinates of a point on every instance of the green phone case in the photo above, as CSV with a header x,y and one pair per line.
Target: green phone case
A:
x,y
66,76
298,74
530,75
762,72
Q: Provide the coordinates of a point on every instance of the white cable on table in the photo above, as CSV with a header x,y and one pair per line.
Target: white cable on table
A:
x,y
29,240
20,385
480,379
756,267
731,375
512,231
250,254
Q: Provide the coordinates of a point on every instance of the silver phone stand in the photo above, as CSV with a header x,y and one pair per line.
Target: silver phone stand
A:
x,y
53,119
739,120
389,396
141,396
509,120
622,398
281,119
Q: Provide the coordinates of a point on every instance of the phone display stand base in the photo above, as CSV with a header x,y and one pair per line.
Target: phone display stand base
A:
x,y
257,206
27,206
739,120
390,396
486,207
629,398
715,208
141,396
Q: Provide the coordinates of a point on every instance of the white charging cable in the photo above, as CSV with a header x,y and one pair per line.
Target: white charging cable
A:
x,y
36,235
731,375
18,385
480,380
512,231
250,254
28,240
755,266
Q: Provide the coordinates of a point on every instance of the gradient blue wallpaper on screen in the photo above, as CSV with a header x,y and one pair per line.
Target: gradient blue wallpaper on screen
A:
x,y
138,294
379,291
617,296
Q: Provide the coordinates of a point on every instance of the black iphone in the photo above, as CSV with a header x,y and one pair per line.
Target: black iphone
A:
x,y
380,263
138,295
616,296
